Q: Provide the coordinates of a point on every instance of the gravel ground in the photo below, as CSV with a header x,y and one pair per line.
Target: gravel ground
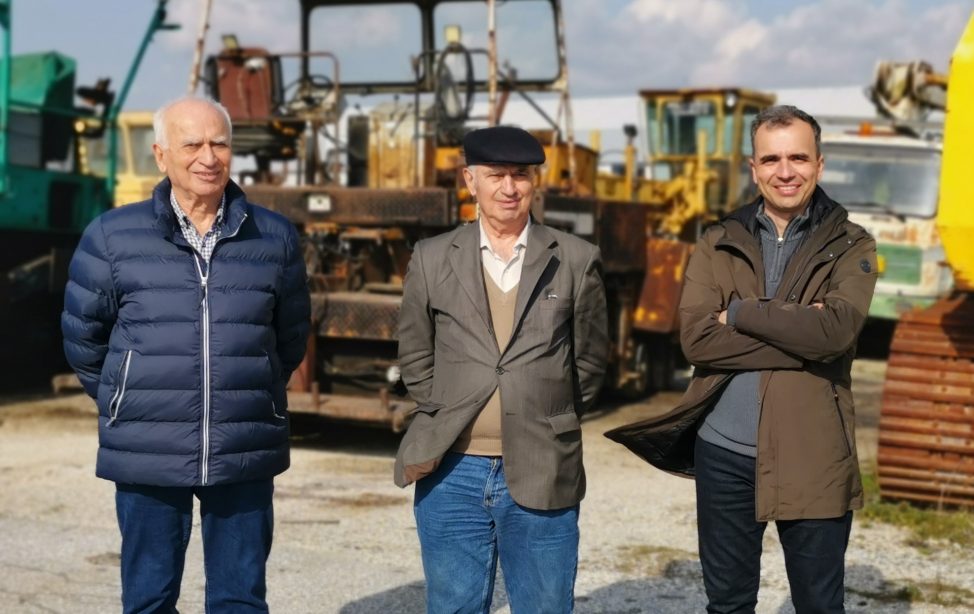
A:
x,y
345,536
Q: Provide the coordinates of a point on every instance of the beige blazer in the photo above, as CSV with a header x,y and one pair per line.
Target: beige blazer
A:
x,y
548,374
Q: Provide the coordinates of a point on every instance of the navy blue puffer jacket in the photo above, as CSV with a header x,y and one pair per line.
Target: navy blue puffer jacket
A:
x,y
189,375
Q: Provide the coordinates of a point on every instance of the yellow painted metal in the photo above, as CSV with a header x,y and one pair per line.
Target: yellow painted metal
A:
x,y
136,173
699,185
630,169
955,216
595,140
558,162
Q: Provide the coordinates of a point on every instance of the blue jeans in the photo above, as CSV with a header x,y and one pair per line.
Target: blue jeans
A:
x,y
237,525
466,518
730,541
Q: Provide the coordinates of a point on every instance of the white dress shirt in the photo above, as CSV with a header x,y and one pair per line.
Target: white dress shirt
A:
x,y
506,274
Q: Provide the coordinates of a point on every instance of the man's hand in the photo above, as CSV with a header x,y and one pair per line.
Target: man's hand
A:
x,y
818,305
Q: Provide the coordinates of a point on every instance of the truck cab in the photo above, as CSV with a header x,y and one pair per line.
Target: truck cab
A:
x,y
889,183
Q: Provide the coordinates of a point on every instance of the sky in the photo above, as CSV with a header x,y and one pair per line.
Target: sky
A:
x,y
615,47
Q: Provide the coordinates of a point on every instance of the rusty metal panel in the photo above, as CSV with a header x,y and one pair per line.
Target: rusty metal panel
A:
x,y
248,89
377,410
926,429
429,207
304,376
358,315
618,228
659,301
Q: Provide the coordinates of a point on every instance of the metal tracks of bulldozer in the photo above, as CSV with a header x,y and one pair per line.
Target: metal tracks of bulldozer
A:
x,y
926,431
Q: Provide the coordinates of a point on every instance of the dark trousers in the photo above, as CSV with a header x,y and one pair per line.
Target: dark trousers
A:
x,y
237,523
730,541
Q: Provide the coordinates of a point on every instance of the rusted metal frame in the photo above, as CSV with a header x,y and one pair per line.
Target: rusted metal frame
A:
x,y
927,442
511,82
566,97
926,430
956,413
926,426
491,63
956,480
921,459
426,16
306,117
194,74
927,364
379,410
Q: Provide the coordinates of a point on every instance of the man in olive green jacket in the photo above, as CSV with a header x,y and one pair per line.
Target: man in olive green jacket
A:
x,y
774,299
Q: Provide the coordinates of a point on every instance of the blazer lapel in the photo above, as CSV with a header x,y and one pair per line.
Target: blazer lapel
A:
x,y
465,260
539,255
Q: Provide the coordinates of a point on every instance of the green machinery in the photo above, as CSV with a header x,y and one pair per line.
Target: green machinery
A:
x,y
47,196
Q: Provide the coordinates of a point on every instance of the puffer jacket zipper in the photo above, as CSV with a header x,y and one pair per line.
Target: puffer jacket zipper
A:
x,y
116,400
205,331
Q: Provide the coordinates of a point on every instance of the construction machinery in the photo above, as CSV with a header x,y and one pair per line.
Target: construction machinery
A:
x,y
695,170
698,147
926,433
363,186
136,173
887,176
48,194
886,172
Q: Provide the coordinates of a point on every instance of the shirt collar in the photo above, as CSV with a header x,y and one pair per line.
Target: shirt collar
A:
x,y
522,239
793,227
184,220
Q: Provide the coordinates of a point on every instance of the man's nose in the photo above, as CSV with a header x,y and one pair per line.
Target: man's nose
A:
x,y
784,169
508,185
207,155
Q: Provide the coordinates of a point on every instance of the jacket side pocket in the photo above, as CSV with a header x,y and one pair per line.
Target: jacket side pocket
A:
x,y
121,380
838,412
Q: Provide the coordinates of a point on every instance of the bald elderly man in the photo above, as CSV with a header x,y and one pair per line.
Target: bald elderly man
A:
x,y
503,344
184,316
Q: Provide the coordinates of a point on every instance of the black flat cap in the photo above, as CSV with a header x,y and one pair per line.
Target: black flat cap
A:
x,y
502,145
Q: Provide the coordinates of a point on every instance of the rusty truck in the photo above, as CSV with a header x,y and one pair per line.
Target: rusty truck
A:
x,y
363,186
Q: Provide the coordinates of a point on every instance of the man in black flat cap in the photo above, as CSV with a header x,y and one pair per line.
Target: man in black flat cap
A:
x,y
503,343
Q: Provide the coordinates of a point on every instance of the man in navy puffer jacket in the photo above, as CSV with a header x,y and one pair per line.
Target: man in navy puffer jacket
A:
x,y
184,317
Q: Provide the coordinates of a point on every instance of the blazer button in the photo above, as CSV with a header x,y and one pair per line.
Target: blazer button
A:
x,y
499,370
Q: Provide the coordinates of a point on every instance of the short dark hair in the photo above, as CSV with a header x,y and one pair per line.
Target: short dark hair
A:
x,y
782,115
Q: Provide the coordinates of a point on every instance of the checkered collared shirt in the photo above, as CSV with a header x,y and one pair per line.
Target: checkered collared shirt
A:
x,y
203,245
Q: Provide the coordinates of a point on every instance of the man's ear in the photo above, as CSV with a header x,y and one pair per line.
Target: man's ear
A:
x,y
468,178
157,152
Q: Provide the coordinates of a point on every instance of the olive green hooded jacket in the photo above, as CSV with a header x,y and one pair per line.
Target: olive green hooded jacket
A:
x,y
806,463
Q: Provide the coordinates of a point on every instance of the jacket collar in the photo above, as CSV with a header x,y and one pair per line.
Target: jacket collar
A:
x,y
820,208
466,263
823,211
235,213
541,243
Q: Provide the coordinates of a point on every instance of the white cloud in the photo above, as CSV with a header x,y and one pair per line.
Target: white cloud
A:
x,y
266,24
704,16
665,43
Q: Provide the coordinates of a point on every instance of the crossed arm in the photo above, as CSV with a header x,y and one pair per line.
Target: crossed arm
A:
x,y
773,333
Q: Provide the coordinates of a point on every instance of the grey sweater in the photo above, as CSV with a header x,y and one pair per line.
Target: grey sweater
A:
x,y
733,423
